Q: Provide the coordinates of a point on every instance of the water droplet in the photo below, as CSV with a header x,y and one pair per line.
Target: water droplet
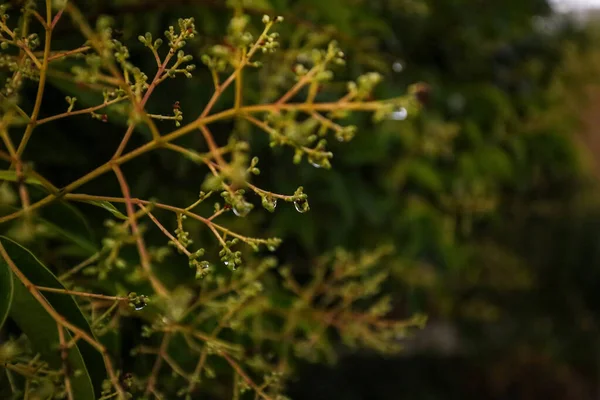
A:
x,y
397,66
242,208
202,270
269,203
301,206
319,162
399,115
230,264
140,306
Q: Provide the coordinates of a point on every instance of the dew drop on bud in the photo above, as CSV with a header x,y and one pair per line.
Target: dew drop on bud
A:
x,y
317,163
269,203
140,306
399,115
242,209
397,67
301,206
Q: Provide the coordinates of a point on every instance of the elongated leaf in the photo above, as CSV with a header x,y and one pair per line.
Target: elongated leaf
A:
x,y
41,328
65,221
11,176
6,292
42,332
59,216
68,222
108,206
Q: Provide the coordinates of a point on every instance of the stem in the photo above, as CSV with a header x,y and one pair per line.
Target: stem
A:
x,y
157,364
80,266
67,53
244,376
105,314
166,232
64,356
79,112
212,146
81,294
239,85
157,285
299,85
42,83
56,18
236,73
142,104
39,18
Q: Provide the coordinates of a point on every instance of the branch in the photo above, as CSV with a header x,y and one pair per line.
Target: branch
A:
x,y
157,285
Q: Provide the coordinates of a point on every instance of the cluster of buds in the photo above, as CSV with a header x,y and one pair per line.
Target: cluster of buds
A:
x,y
187,30
183,237
137,302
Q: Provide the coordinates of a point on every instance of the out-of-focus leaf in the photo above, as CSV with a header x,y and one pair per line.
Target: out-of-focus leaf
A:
x,y
6,291
496,162
68,222
65,221
425,175
41,328
255,4
335,12
59,217
11,176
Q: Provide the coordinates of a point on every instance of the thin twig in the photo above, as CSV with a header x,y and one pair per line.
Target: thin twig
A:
x,y
81,265
244,376
157,285
64,356
79,112
157,364
166,232
81,294
42,82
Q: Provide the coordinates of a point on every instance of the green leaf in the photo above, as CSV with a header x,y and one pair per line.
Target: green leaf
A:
x,y
68,222
65,221
6,292
11,176
263,5
108,206
41,328
59,217
335,12
425,175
